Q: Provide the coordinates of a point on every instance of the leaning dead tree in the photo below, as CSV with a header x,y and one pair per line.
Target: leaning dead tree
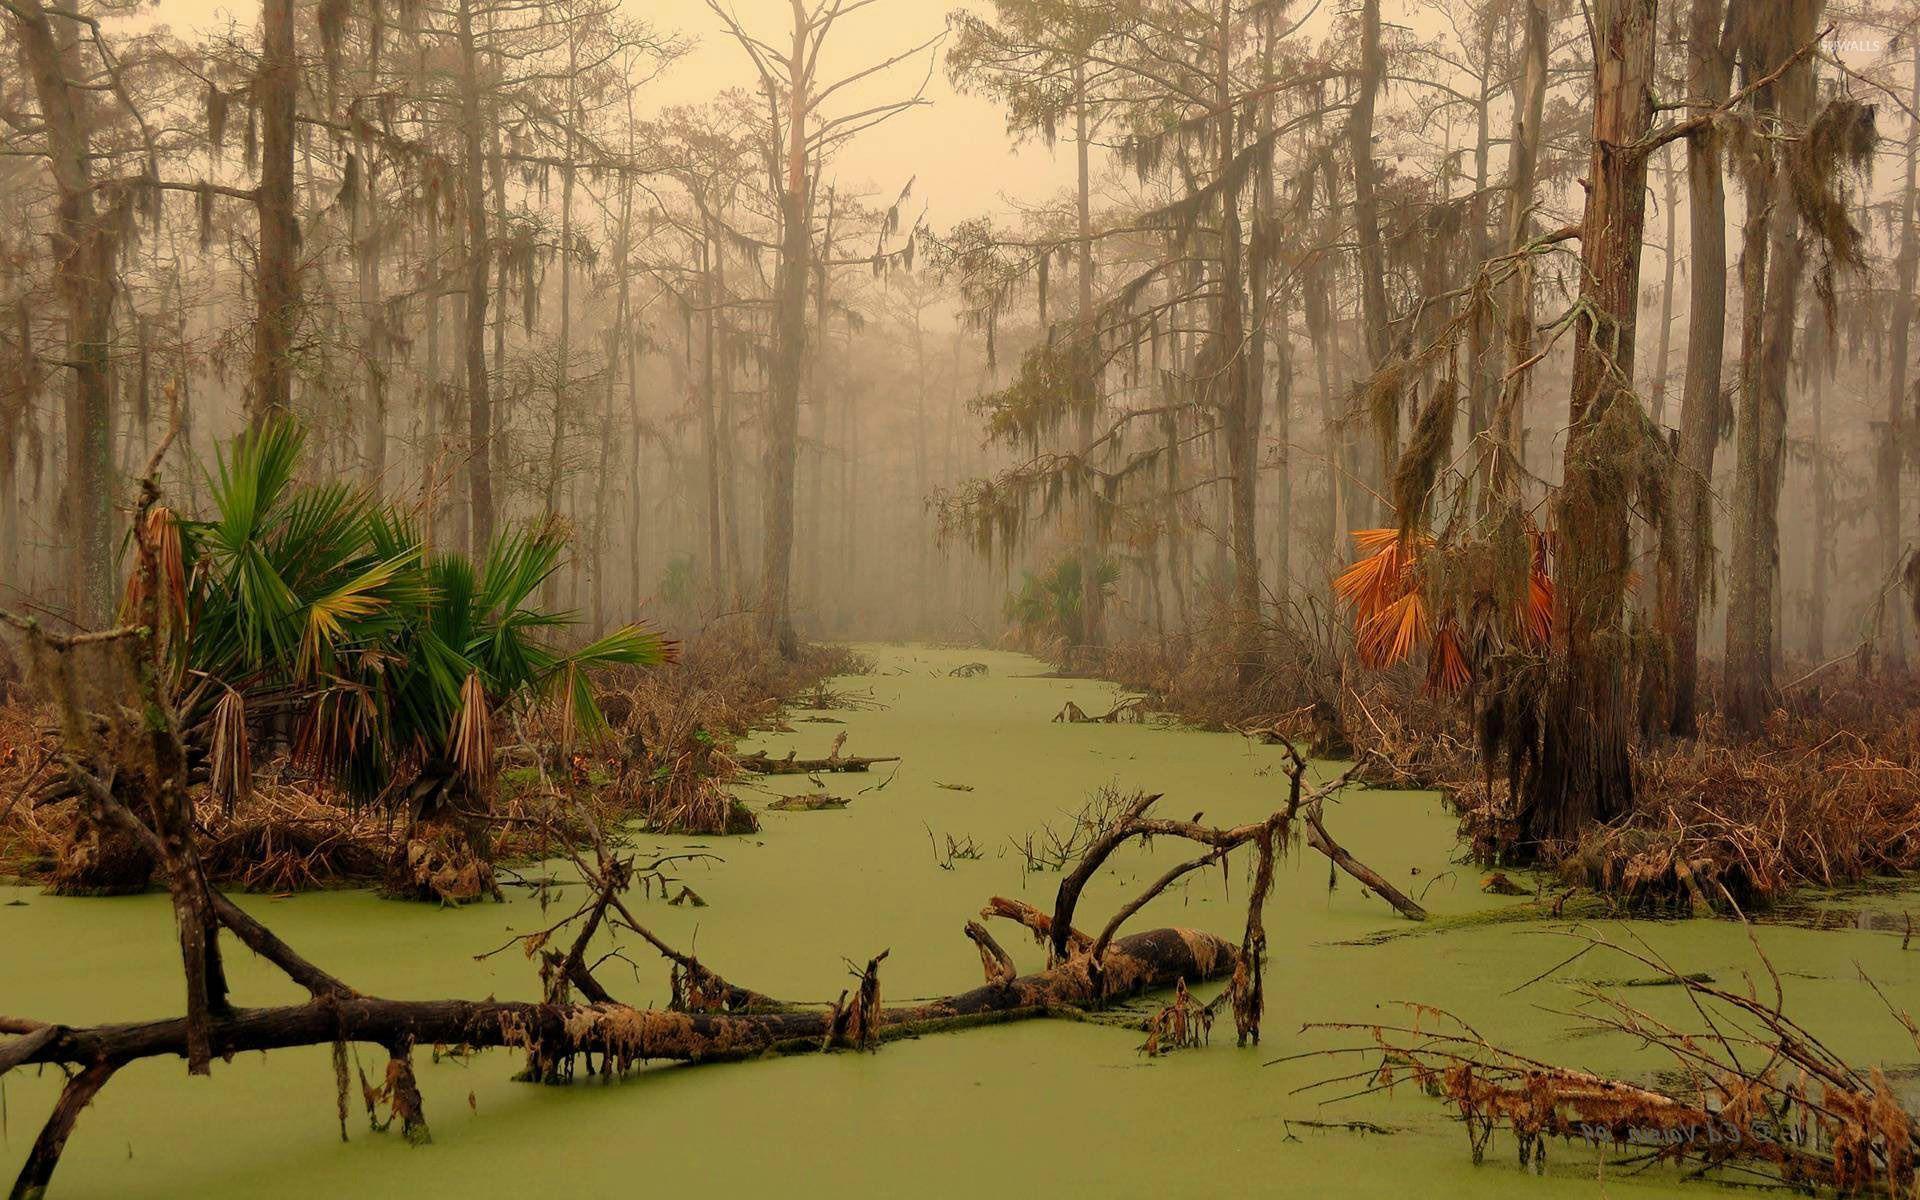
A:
x,y
122,749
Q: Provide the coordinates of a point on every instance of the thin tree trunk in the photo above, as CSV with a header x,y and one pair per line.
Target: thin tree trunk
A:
x,y
277,285
435,507
1709,76
367,217
709,418
1769,317
479,446
1093,622
1821,544
1888,461
1366,221
1504,460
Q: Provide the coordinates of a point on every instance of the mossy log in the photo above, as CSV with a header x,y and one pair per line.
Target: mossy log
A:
x,y
554,1035
762,763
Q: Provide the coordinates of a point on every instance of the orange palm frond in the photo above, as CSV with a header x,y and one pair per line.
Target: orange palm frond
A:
x,y
1447,669
1369,540
1394,632
1536,610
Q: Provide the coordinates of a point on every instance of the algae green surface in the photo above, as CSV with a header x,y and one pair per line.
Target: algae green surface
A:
x,y
1044,1107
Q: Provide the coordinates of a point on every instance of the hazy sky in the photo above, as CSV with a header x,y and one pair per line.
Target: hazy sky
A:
x,y
956,146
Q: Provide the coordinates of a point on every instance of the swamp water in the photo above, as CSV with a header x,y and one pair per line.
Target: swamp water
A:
x,y
1038,1107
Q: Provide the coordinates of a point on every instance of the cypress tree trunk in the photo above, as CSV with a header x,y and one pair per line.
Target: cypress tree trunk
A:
x,y
1092,599
1366,219
1583,774
1501,459
789,355
84,245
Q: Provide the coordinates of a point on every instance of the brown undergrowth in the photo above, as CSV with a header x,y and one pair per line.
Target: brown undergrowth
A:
x,y
1828,796
664,763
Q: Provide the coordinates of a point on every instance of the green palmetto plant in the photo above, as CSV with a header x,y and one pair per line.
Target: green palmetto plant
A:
x,y
321,601
1048,605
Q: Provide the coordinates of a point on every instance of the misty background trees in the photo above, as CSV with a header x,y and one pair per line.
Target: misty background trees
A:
x,y
1308,270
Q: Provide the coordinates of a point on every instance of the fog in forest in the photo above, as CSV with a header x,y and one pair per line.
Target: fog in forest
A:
x,y
628,325
633,510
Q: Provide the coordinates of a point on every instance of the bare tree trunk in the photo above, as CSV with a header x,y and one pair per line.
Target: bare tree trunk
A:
x,y
563,371
1821,544
1583,774
1709,76
479,445
1366,218
1093,624
789,355
1240,405
1482,364
431,482
367,218
709,418
1769,318
1503,459
1888,461
1270,322
85,242
277,285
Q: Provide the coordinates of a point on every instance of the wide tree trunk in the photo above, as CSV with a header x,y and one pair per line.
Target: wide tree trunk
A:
x,y
789,354
1583,774
85,242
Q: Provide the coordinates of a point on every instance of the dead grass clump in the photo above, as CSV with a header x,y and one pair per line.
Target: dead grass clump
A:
x,y
285,838
1757,823
668,755
1827,796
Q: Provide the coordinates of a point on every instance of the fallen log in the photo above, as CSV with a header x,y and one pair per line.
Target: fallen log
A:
x,y
555,1034
762,763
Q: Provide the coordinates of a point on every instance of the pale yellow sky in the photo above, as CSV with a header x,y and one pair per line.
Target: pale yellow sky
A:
x,y
956,146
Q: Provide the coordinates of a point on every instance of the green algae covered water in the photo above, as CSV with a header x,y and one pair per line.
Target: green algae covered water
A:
x,y
1039,1107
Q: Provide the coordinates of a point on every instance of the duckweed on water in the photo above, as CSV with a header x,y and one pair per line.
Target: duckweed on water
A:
x,y
1057,1107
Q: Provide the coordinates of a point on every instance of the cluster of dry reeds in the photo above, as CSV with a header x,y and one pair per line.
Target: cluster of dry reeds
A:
x,y
1830,795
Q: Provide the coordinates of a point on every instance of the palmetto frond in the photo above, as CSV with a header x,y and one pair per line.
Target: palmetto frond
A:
x,y
471,736
362,607
1392,620
399,658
